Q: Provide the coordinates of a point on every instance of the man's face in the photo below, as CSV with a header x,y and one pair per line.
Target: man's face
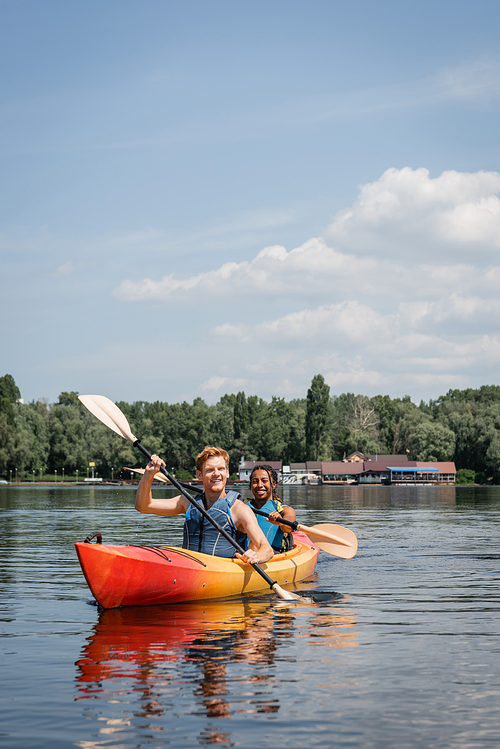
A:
x,y
214,475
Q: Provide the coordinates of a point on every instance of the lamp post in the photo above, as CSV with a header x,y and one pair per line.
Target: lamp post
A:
x,y
16,475
112,474
63,475
33,475
55,475
10,479
40,474
77,475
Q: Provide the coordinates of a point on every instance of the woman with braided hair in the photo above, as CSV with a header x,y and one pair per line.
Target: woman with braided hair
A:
x,y
263,483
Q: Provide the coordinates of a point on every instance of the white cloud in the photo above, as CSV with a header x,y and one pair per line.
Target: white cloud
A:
x,y
401,292
65,269
408,327
408,214
405,231
217,384
476,80
357,347
351,320
306,269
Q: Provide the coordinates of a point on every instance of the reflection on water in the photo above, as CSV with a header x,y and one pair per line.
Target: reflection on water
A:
x,y
227,654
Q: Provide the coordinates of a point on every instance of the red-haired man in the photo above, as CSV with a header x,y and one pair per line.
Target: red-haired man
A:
x,y
237,519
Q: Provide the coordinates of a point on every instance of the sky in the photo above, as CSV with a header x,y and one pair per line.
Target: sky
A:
x,y
201,198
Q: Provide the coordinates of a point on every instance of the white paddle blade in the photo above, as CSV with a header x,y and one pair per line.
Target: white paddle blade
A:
x,y
333,548
158,477
334,539
106,411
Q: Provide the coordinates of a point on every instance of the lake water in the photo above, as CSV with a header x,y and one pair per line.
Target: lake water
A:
x,y
408,657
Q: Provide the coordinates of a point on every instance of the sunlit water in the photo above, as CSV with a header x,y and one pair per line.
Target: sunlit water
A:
x,y
409,657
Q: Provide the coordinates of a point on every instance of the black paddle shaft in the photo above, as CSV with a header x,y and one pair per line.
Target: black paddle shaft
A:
x,y
205,514
293,525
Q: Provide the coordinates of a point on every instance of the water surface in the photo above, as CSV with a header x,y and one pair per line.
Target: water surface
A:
x,y
408,657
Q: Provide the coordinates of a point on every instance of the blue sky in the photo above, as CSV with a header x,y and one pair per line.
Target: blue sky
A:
x,y
198,198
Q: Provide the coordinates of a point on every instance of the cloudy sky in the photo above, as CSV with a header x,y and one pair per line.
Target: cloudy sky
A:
x,y
205,197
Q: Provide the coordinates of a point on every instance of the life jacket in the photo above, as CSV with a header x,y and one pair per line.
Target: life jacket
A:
x,y
200,534
279,540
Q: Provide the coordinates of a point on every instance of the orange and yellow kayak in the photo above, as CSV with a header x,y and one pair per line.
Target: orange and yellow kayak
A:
x,y
147,575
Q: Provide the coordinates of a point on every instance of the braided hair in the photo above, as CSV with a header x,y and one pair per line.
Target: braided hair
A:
x,y
273,478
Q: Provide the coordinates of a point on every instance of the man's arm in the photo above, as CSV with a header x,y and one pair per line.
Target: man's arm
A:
x,y
259,549
144,501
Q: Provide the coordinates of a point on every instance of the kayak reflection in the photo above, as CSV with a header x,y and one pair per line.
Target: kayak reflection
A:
x,y
153,662
138,643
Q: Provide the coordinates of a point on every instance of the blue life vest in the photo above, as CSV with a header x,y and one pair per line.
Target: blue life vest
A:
x,y
200,534
273,533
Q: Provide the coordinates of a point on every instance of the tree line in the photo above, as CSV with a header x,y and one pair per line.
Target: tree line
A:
x,y
462,426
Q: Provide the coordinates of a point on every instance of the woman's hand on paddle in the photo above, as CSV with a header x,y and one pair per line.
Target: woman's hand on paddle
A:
x,y
275,517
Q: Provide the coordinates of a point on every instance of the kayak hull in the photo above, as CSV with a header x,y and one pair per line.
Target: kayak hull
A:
x,y
146,575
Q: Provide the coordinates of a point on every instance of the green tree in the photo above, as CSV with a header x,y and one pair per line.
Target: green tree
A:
x,y
355,425
33,418
431,440
492,458
465,476
15,436
240,415
110,452
9,389
295,449
274,430
221,431
67,436
408,417
389,412
9,395
69,399
474,417
317,411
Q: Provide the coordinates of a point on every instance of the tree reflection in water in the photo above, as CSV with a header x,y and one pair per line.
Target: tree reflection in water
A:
x,y
150,663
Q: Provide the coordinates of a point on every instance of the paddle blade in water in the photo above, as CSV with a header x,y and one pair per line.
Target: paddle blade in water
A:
x,y
287,595
106,411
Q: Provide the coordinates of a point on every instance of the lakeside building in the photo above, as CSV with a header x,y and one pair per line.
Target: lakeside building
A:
x,y
246,467
341,472
302,473
309,467
359,469
387,469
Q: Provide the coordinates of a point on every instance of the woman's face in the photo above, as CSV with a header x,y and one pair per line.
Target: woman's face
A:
x,y
261,486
